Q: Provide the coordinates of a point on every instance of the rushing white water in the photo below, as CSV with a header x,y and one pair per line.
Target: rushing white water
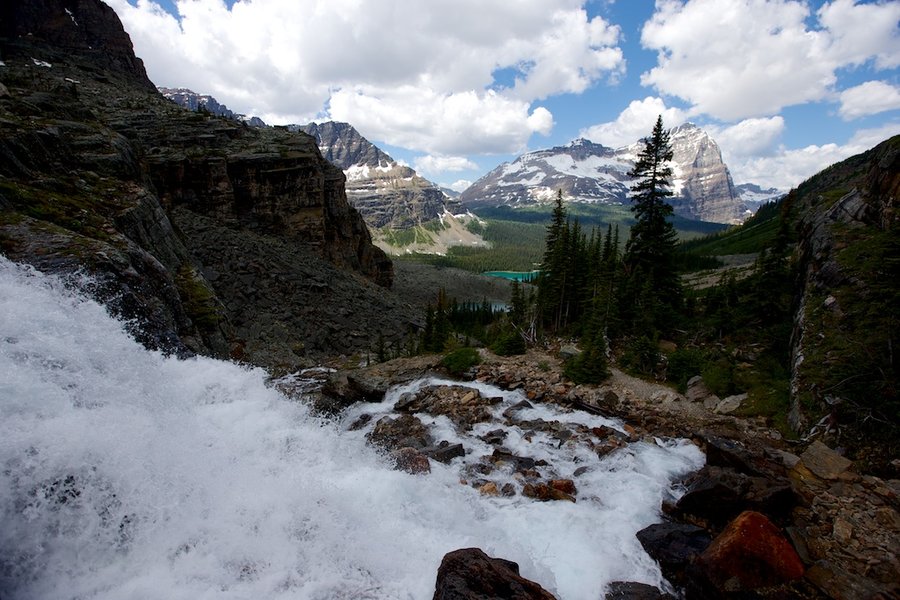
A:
x,y
128,474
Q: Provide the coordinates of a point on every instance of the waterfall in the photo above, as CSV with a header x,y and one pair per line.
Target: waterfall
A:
x,y
125,473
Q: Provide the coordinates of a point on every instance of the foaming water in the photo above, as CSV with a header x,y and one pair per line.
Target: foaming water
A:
x,y
128,474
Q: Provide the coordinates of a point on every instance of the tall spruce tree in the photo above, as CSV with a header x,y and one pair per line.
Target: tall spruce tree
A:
x,y
650,250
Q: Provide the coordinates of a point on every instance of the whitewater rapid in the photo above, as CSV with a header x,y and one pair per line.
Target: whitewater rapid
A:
x,y
128,474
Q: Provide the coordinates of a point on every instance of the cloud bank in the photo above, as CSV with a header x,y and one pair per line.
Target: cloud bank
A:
x,y
432,89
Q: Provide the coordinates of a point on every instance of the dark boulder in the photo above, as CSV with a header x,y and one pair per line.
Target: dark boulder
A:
x,y
470,574
716,495
630,590
444,452
674,546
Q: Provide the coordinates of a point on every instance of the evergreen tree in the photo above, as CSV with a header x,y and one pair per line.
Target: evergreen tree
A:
x,y
552,280
517,304
650,250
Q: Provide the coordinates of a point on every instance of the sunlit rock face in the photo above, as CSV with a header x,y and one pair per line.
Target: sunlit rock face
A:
x,y
386,193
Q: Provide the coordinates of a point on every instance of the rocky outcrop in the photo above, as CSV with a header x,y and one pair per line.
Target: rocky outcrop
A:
x,y
844,366
208,235
470,574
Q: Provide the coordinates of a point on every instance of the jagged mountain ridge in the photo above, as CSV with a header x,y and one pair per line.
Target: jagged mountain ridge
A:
x,y
386,193
191,100
754,196
592,173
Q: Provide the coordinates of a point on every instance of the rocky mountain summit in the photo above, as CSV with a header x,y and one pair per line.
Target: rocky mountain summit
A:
x,y
191,100
386,193
595,174
209,235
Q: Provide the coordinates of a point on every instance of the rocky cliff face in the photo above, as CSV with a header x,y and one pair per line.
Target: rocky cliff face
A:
x,y
188,223
594,174
845,366
89,29
386,194
703,186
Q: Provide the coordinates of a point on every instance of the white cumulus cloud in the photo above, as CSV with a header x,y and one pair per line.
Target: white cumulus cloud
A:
x,y
449,124
787,168
435,165
634,123
734,59
403,71
868,98
750,137
460,185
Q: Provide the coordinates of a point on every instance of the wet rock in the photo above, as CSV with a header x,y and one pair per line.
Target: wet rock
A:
x,y
510,412
489,489
750,553
545,492
360,422
630,590
567,486
716,495
444,452
371,388
400,432
494,437
674,546
520,463
411,460
462,405
470,574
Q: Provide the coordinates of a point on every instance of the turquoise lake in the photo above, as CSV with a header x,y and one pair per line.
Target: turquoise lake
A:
x,y
514,275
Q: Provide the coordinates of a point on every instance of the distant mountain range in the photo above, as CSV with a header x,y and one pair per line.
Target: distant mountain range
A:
x,y
194,101
595,174
391,195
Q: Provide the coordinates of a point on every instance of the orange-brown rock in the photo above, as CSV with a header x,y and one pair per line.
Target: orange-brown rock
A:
x,y
750,553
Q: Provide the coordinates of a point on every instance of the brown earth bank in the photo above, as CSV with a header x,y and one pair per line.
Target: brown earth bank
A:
x,y
764,518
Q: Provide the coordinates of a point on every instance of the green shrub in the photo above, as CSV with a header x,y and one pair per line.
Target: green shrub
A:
x,y
509,343
641,356
719,377
461,360
684,364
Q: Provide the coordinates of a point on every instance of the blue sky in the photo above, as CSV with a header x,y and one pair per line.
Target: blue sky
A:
x,y
455,87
